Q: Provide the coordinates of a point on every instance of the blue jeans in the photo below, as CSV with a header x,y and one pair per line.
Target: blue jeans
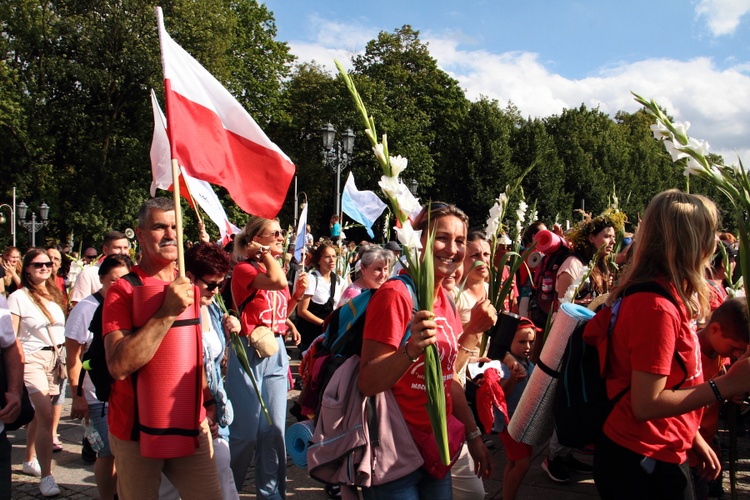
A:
x,y
415,486
249,433
98,419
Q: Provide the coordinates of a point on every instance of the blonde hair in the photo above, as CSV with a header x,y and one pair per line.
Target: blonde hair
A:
x,y
676,240
252,229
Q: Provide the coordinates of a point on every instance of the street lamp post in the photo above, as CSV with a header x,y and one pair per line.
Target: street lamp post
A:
x,y
12,216
413,186
32,226
337,155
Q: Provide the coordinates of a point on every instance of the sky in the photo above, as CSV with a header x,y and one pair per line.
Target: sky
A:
x,y
691,56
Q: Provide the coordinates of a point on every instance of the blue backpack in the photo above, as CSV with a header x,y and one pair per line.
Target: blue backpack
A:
x,y
342,339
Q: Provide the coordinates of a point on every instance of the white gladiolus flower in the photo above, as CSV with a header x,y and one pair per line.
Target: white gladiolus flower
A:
x,y
398,165
674,151
660,131
571,291
408,237
390,186
379,154
521,212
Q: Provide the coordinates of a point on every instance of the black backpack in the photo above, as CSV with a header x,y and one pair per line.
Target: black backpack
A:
x,y
581,405
95,358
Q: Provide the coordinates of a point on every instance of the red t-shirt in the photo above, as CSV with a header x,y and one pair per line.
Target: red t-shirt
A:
x,y
388,315
648,331
118,315
268,307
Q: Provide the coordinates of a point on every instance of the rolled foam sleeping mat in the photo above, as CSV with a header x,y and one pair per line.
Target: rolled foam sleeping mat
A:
x,y
168,387
298,437
532,422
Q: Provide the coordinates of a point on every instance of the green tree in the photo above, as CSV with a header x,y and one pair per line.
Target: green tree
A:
x,y
421,107
83,70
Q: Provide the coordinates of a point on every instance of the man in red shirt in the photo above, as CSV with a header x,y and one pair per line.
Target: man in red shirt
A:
x,y
128,351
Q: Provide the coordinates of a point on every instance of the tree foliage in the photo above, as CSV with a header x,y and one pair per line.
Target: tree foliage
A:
x,y
76,120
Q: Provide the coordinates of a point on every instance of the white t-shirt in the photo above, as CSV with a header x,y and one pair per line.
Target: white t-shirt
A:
x,y
77,328
86,284
34,325
7,335
320,289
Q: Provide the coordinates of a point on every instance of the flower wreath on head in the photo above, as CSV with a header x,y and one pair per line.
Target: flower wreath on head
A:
x,y
578,236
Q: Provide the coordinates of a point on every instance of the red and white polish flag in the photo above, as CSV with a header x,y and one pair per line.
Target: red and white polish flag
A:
x,y
215,139
190,188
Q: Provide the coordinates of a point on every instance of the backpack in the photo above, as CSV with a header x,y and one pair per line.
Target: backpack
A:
x,y
342,339
95,358
544,294
581,405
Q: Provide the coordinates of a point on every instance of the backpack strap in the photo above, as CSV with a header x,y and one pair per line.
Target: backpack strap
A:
x,y
654,287
133,279
372,416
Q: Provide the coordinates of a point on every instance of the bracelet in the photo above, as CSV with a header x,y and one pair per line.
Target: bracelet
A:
x,y
474,434
470,351
714,388
210,402
406,353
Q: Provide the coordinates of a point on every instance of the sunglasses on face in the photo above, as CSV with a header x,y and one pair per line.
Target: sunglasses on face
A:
x,y
275,234
89,256
39,265
212,285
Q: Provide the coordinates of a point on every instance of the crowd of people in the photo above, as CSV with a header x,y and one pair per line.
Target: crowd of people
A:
x,y
194,428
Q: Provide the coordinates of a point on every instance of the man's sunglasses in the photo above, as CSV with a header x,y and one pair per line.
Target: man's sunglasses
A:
x,y
212,285
39,265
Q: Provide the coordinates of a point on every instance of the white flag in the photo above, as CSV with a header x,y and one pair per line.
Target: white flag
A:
x,y
362,206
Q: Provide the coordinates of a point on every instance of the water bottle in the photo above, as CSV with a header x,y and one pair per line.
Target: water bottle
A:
x,y
94,439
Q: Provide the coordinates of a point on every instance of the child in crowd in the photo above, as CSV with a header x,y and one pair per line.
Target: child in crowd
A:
x,y
513,383
726,335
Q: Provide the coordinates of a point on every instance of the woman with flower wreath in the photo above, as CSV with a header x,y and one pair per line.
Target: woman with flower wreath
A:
x,y
587,238
389,364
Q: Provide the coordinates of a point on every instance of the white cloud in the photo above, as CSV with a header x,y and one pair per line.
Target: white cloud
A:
x,y
722,16
715,101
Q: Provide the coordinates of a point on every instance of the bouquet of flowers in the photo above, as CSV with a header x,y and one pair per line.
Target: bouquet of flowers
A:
x,y
420,262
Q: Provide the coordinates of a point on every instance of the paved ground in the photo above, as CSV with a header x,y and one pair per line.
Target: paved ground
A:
x,y
76,478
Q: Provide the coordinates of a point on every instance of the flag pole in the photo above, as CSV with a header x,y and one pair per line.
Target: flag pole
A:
x,y
178,217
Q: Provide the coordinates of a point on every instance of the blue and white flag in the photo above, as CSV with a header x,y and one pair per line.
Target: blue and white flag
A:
x,y
362,206
299,240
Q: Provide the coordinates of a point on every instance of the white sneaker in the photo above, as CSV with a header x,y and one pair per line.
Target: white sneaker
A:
x,y
48,487
32,468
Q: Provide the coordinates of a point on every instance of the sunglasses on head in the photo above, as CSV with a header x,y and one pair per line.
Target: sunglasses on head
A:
x,y
212,285
39,265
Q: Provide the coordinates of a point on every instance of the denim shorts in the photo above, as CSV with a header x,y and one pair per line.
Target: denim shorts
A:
x,y
99,422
